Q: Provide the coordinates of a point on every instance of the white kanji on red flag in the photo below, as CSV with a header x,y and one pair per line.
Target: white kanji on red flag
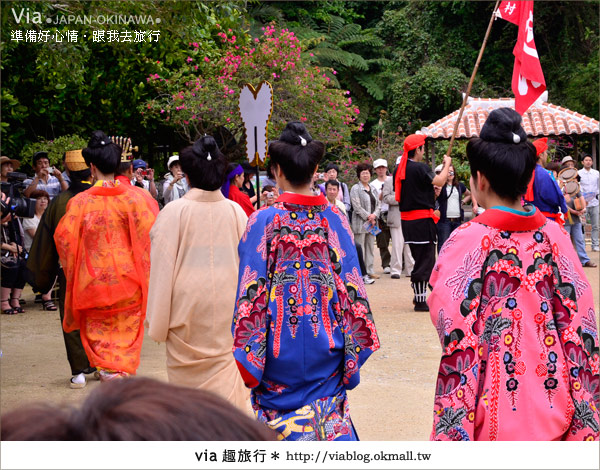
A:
x,y
528,81
508,11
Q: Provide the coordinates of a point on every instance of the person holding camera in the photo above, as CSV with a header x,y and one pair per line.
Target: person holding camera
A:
x,y
13,264
175,185
13,253
268,197
46,178
143,177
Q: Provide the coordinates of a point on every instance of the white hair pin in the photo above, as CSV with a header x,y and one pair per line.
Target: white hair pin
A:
x,y
516,138
102,142
302,141
209,157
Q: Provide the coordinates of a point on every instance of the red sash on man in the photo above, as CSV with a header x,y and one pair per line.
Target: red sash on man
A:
x,y
412,142
419,214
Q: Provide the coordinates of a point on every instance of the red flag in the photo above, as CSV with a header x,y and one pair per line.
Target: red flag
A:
x,y
528,81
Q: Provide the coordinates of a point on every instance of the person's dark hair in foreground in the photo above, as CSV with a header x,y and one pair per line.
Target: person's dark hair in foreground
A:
x,y
136,409
102,153
503,154
296,153
204,164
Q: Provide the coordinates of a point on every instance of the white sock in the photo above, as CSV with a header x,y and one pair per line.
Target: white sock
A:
x,y
78,379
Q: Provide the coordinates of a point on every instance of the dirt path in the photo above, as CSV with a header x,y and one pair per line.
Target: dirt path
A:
x,y
394,400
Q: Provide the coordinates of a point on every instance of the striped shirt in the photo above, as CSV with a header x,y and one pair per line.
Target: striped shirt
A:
x,y
52,187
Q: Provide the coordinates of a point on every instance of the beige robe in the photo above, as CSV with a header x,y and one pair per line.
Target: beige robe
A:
x,y
193,281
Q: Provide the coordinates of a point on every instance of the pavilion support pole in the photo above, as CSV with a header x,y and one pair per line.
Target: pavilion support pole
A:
x,y
466,98
594,151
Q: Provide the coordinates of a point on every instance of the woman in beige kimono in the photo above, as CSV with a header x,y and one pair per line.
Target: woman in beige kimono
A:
x,y
193,277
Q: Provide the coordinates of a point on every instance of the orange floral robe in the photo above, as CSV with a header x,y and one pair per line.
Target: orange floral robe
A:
x,y
103,242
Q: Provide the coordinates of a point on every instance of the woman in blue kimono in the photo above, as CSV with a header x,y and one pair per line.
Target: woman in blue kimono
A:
x,y
302,326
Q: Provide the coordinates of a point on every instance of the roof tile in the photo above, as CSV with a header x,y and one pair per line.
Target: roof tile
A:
x,y
541,119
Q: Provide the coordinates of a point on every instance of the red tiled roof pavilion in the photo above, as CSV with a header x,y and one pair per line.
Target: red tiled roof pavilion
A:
x,y
541,119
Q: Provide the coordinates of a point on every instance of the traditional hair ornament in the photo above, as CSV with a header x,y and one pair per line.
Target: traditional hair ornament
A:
x,y
102,142
503,125
209,158
295,132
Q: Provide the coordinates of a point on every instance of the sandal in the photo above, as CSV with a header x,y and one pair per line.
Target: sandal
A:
x,y
8,311
17,309
49,305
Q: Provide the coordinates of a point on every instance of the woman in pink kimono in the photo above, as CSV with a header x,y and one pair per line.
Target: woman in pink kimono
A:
x,y
513,310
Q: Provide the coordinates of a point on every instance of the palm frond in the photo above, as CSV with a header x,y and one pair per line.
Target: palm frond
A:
x,y
266,12
371,85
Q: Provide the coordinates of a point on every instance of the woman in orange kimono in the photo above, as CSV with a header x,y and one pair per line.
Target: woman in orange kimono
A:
x,y
104,246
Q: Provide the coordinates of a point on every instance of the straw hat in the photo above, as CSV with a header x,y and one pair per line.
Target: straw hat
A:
x,y
74,161
15,163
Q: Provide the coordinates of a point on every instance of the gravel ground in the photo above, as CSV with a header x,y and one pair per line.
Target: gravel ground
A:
x,y
393,402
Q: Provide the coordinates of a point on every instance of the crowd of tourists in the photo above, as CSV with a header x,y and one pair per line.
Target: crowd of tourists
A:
x,y
508,294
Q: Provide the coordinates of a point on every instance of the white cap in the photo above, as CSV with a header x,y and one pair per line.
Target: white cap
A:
x,y
438,168
566,159
380,162
172,159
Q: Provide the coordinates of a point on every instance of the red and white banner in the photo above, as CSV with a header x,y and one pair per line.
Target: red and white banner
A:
x,y
528,79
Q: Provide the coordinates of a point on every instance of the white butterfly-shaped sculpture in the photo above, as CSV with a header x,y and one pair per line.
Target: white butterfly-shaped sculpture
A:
x,y
255,107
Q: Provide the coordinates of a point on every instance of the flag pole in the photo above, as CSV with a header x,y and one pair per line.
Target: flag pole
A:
x,y
462,108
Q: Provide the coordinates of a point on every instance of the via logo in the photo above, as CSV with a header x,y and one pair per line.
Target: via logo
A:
x,y
27,16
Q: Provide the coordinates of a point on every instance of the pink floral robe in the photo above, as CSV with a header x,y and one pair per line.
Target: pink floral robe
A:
x,y
515,316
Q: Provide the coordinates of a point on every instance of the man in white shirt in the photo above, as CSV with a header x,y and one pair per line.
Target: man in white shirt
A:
x,y
589,188
383,238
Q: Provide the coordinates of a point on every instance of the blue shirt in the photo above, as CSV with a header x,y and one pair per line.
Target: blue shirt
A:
x,y
547,196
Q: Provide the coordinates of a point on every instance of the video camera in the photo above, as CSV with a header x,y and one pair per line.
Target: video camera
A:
x,y
18,205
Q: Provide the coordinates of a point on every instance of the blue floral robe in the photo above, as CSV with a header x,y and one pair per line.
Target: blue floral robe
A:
x,y
302,325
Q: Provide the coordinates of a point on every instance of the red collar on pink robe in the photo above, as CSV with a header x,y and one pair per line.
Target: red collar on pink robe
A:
x,y
511,221
302,200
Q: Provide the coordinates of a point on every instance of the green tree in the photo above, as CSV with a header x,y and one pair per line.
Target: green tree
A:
x,y
58,88
202,96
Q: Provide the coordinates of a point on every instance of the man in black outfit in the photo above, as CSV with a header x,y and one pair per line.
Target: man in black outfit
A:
x,y
414,181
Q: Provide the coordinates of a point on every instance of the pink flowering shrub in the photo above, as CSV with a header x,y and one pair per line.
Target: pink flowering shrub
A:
x,y
203,94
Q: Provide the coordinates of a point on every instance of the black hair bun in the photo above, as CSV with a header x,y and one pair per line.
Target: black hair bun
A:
x,y
98,140
503,125
296,134
206,147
